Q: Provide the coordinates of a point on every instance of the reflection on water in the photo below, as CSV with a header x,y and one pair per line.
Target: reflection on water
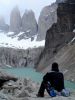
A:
x,y
32,74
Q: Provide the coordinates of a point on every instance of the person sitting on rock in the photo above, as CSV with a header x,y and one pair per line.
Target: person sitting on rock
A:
x,y
53,80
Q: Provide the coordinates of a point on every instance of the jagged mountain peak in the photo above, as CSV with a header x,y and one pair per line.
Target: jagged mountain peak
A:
x,y
29,12
16,9
29,23
15,20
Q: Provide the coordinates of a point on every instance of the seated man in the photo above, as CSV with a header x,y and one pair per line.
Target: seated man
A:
x,y
55,78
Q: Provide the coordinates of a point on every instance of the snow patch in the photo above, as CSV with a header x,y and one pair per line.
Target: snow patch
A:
x,y
6,41
72,41
10,33
65,71
8,66
28,31
20,33
74,30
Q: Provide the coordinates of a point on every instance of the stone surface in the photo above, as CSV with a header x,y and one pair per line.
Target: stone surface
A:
x,y
65,1
29,24
19,58
47,17
15,20
58,36
61,1
4,77
23,94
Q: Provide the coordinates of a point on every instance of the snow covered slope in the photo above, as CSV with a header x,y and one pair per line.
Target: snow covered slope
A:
x,y
12,41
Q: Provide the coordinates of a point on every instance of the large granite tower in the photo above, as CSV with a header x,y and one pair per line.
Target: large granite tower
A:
x,y
15,20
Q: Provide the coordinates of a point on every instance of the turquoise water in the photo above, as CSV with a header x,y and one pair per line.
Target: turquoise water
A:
x,y
32,74
25,72
70,85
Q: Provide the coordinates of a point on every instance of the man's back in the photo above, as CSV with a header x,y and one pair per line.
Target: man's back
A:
x,y
56,79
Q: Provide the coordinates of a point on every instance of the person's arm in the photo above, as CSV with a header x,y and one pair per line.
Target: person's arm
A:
x,y
45,78
63,81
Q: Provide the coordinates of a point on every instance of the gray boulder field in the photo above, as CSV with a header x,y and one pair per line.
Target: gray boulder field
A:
x,y
25,89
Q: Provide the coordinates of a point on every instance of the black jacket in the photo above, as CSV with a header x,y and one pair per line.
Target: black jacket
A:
x,y
56,79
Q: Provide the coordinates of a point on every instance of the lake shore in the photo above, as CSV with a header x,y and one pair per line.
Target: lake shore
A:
x,y
26,89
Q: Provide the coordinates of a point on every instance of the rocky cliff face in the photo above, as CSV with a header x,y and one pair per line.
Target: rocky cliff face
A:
x,y
65,24
15,20
61,1
66,60
29,24
64,1
19,58
59,34
47,17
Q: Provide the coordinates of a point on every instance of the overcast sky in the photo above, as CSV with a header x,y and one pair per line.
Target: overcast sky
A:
x,y
36,5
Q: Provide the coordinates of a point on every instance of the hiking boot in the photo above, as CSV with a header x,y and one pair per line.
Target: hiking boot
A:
x,y
39,95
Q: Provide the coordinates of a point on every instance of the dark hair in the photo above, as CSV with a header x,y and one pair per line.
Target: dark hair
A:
x,y
55,67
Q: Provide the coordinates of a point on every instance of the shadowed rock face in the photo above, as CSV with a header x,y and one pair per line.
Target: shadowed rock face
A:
x,y
65,1
19,58
61,1
60,33
65,24
70,1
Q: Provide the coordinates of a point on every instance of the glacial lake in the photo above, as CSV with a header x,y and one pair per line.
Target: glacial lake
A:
x,y
33,75
25,73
